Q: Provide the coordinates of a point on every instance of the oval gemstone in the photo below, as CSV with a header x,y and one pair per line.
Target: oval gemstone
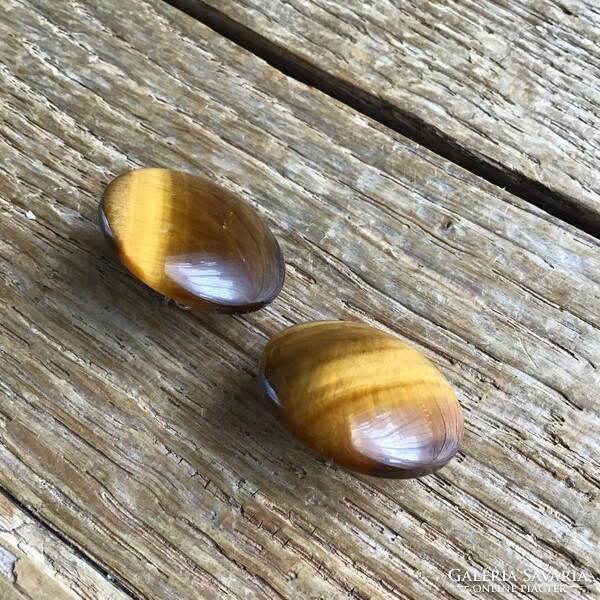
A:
x,y
192,241
362,398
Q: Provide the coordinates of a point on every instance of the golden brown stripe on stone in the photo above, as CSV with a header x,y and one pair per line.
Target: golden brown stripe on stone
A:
x,y
362,398
192,241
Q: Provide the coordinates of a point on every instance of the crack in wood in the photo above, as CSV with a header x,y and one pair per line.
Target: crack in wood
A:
x,y
7,565
384,112
8,560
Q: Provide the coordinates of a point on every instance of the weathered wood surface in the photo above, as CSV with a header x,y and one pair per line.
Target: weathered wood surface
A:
x,y
137,429
510,87
36,565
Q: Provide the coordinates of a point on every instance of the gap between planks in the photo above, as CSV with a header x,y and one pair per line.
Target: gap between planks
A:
x,y
110,578
384,112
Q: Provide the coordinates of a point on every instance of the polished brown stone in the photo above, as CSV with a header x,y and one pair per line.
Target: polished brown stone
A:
x,y
192,241
362,398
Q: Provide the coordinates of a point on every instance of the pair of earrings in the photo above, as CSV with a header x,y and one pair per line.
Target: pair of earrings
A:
x,y
352,393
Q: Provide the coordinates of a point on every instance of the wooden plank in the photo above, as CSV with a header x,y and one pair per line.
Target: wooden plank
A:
x,y
35,564
137,429
508,89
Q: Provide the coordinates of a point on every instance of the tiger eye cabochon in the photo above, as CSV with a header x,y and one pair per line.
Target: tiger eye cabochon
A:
x,y
362,398
192,241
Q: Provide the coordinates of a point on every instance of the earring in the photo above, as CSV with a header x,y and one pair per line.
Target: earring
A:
x,y
362,398
192,241
355,395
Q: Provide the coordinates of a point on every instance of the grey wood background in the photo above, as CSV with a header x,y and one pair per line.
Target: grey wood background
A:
x,y
136,431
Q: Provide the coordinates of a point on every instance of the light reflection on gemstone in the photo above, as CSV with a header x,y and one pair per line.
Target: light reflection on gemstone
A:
x,y
192,241
210,277
362,398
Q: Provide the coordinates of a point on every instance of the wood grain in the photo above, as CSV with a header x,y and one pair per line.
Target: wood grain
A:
x,y
36,565
138,429
508,89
